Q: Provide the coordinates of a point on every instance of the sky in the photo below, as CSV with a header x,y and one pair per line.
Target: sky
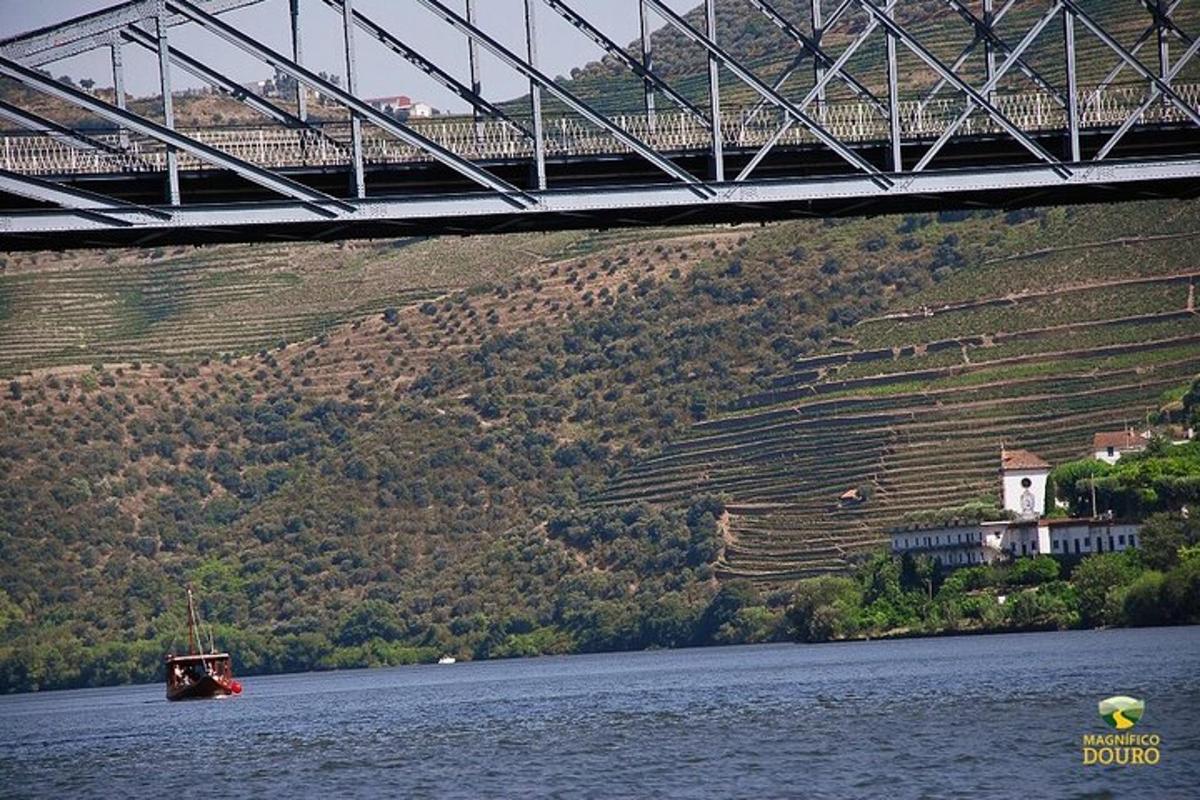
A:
x,y
381,73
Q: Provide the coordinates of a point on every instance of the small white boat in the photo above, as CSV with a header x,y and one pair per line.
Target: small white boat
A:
x,y
447,660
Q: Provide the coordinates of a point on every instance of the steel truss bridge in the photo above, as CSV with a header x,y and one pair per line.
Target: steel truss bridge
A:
x,y
997,103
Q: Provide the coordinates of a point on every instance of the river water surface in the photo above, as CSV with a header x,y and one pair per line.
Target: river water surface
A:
x,y
980,716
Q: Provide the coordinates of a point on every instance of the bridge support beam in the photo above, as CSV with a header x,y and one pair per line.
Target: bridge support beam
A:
x,y
473,68
714,93
168,100
298,57
647,63
535,97
818,30
895,132
358,184
1072,87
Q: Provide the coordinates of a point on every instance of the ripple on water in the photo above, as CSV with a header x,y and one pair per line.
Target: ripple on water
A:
x,y
921,718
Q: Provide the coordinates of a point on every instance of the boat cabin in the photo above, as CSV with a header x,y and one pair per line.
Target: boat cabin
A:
x,y
183,671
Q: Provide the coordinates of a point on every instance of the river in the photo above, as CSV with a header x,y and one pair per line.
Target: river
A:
x,y
973,716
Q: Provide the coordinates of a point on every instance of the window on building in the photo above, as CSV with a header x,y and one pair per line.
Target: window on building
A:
x,y
1133,540
1076,545
1099,545
1111,546
1057,545
1111,451
1121,540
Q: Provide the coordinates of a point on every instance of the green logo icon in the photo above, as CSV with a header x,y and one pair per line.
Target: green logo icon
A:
x,y
1122,712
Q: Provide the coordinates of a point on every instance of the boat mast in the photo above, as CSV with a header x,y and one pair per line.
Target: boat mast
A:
x,y
192,648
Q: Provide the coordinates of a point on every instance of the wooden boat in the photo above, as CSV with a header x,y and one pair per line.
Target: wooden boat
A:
x,y
199,675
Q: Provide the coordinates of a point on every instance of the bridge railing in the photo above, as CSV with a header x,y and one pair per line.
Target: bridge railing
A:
x,y
743,128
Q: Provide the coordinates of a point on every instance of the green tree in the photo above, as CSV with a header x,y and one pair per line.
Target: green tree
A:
x,y
825,608
1143,603
1098,576
372,619
1161,537
1033,571
732,597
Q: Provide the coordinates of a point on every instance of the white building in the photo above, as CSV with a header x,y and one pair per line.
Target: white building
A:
x,y
979,543
1108,446
420,111
1087,536
1023,478
955,545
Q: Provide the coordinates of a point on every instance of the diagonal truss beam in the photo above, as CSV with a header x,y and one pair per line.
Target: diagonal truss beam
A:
x,y
963,56
140,37
633,64
1158,83
811,47
987,33
1116,71
753,81
90,31
265,178
460,24
1164,21
61,133
818,90
402,49
515,196
88,204
974,97
1155,93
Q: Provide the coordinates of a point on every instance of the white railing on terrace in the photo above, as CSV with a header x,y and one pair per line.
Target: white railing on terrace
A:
x,y
277,148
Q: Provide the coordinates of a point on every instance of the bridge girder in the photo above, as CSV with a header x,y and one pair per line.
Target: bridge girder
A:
x,y
791,155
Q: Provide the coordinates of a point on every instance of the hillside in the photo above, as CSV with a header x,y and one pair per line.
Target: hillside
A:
x,y
572,457
378,453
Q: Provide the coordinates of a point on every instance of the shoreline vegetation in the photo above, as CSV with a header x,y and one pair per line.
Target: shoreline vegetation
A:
x,y
885,598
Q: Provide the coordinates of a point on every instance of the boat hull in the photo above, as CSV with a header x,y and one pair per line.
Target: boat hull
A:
x,y
203,689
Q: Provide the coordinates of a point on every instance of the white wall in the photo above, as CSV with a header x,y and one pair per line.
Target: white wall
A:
x,y
1014,491
1114,537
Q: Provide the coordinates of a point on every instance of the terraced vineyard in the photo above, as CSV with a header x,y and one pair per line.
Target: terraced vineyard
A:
x,y
916,420
63,310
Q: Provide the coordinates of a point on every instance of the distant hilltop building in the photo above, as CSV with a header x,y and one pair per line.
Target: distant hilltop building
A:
x,y
1027,532
1107,446
399,102
402,106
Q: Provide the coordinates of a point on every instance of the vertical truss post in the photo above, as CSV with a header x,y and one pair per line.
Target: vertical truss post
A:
x,y
647,61
118,71
818,31
473,65
535,96
1072,85
714,92
1164,43
989,49
358,181
896,161
298,57
168,104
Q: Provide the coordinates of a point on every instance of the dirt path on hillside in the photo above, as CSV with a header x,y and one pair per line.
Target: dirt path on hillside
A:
x,y
1017,297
